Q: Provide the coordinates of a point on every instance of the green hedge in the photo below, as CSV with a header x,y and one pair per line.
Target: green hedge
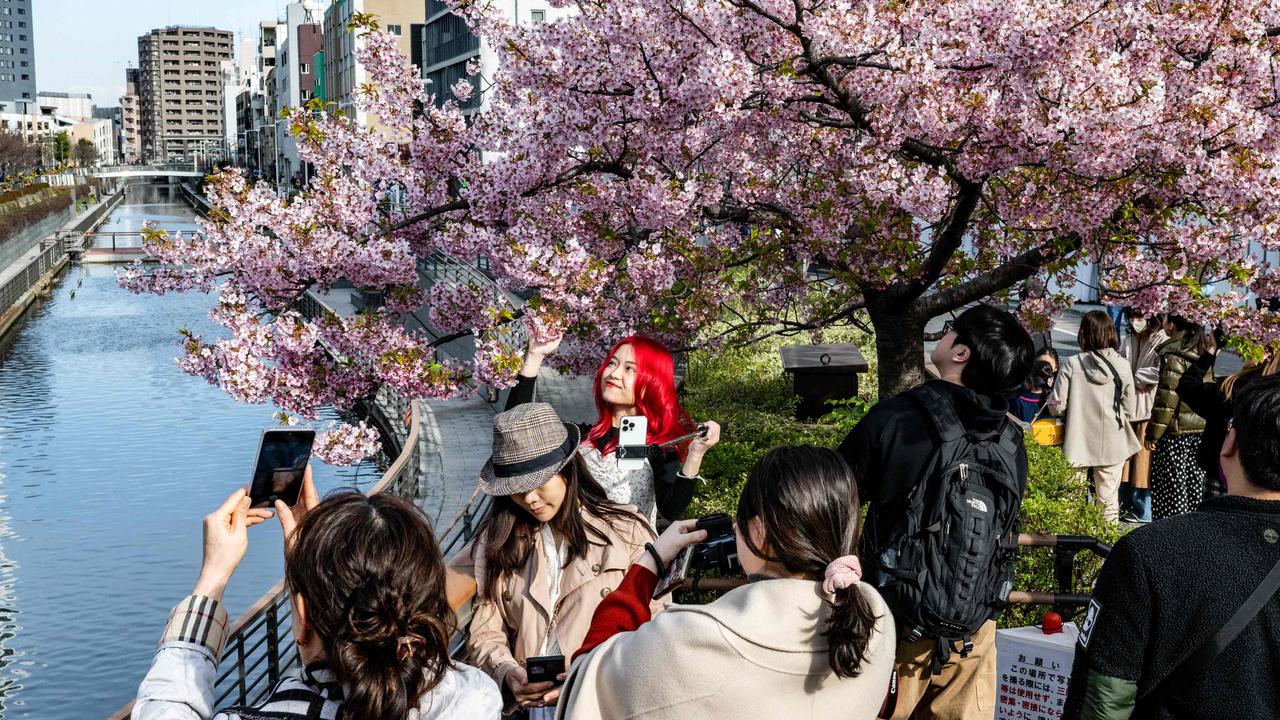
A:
x,y
747,390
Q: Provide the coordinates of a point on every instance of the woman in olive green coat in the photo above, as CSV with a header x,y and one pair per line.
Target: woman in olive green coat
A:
x,y
1177,481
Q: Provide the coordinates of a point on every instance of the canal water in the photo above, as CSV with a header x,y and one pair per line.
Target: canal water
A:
x,y
110,456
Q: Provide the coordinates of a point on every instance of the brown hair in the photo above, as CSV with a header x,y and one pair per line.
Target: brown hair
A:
x,y
1270,366
508,529
1097,332
807,499
372,577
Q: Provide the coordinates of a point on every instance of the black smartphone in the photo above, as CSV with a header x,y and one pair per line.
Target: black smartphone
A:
x,y
282,462
544,668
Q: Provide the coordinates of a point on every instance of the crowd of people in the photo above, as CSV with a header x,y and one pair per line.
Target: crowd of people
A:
x,y
891,616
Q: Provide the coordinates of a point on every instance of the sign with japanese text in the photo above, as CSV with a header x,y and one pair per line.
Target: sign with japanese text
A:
x,y
1032,672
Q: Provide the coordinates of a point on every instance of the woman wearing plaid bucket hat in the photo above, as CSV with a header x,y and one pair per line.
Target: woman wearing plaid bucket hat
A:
x,y
550,549
636,378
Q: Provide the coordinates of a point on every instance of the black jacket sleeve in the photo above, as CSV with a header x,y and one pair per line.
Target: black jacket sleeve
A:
x,y
1204,398
860,449
672,492
522,392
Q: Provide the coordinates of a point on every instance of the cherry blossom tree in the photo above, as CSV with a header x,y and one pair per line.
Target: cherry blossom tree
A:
x,y
719,171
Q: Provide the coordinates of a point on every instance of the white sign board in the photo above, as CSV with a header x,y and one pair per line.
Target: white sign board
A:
x,y
1032,672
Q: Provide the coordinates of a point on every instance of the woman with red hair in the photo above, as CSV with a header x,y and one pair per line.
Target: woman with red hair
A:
x,y
637,377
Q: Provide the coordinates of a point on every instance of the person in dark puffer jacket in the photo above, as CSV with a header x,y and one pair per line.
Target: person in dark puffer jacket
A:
x,y
1170,586
1173,434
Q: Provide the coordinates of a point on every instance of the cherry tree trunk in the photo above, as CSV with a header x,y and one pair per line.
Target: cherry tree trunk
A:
x,y
899,349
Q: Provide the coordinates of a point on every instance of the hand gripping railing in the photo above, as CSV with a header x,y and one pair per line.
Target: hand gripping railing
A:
x,y
259,648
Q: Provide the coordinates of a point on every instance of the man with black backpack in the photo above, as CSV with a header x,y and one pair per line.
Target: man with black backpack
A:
x,y
1185,618
944,469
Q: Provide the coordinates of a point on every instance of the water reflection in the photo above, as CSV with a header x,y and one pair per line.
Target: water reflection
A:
x,y
109,457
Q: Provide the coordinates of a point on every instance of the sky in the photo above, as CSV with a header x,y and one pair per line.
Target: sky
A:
x,y
85,45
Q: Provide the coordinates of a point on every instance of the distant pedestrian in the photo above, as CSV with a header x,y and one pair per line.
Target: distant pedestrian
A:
x,y
1095,392
1177,482
1029,399
1141,348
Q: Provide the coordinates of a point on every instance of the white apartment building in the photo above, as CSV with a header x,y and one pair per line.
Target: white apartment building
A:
x,y
100,132
298,39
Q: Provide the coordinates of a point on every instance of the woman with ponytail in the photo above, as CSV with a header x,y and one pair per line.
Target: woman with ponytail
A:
x,y
369,616
805,638
636,377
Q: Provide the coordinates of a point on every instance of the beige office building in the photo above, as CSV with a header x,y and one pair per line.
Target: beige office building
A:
x,y
343,75
181,110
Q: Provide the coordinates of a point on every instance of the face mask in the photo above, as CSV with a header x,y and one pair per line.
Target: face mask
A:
x,y
1139,325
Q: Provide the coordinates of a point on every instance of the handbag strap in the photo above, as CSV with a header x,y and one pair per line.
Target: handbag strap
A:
x,y
1195,664
1119,386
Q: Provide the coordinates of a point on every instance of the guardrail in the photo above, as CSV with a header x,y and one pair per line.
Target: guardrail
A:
x,y
18,285
448,270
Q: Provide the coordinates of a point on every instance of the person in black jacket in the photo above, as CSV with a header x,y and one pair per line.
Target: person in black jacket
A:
x,y
1168,587
982,356
1211,400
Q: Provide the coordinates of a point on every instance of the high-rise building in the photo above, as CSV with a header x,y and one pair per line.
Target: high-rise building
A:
x,y
343,76
238,76
130,129
181,107
448,45
17,57
296,45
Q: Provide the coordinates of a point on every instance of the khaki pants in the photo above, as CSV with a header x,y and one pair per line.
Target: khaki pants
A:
x,y
1106,489
964,690
1137,469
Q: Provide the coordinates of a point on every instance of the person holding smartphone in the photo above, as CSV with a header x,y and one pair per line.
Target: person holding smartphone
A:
x,y
805,638
637,377
549,550
369,615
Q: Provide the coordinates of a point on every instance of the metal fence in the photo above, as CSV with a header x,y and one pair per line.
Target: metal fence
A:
x,y
12,291
441,268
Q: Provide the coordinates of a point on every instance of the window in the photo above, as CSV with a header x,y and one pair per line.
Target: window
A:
x,y
539,16
394,29
304,68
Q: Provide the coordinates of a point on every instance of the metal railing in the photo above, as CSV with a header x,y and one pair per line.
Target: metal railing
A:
x,y
18,285
441,268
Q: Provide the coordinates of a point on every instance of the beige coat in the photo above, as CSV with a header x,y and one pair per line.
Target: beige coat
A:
x,y
1085,393
1143,357
506,630
756,652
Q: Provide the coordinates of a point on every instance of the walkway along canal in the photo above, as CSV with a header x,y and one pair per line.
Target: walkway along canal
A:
x,y
109,458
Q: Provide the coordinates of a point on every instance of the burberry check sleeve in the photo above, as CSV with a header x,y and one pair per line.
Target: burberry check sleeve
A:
x,y
179,685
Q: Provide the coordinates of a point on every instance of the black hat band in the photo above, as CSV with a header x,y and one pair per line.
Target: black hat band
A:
x,y
546,460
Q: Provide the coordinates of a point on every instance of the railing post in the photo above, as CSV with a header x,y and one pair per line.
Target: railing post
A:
x,y
240,667
273,643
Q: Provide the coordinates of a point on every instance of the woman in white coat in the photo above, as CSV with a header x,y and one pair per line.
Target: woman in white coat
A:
x,y
804,639
1095,391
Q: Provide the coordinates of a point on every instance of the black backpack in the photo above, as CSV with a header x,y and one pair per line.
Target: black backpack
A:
x,y
946,566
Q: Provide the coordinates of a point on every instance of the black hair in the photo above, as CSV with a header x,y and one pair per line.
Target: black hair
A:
x,y
1000,349
1194,336
1256,419
807,499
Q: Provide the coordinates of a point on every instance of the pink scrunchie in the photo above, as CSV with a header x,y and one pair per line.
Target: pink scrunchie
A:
x,y
842,573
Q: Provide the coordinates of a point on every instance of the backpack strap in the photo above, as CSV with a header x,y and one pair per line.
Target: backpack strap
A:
x,y
940,413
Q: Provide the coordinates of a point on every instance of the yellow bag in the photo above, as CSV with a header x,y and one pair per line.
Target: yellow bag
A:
x,y
1048,431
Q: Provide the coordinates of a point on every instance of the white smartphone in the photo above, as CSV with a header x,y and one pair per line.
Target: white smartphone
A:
x,y
633,436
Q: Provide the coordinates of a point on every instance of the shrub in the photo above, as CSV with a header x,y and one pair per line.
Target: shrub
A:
x,y
17,219
11,195
747,390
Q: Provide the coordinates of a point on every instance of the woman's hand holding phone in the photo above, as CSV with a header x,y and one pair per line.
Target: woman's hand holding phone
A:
x,y
678,536
226,538
529,694
292,517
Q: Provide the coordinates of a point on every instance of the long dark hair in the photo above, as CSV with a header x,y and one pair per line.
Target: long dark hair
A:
x,y
508,530
372,577
807,499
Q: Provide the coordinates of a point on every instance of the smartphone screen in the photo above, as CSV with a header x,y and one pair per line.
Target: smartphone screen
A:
x,y
677,571
282,461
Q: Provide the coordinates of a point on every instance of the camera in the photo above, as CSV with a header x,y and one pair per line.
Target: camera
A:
x,y
719,551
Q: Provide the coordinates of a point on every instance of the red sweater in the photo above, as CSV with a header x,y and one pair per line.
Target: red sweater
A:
x,y
624,610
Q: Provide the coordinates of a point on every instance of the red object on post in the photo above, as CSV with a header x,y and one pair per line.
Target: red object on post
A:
x,y
1051,623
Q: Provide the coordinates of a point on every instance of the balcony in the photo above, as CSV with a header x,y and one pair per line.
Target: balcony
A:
x,y
451,49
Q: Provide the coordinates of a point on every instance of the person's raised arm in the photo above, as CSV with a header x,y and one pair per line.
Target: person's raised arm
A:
x,y
179,685
675,483
527,378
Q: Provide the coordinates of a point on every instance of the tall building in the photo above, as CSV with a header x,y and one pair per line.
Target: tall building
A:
x,y
238,76
181,106
74,106
100,132
448,45
296,47
17,57
254,124
343,76
130,129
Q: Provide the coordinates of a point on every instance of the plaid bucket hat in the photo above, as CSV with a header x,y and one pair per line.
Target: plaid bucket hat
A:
x,y
530,445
